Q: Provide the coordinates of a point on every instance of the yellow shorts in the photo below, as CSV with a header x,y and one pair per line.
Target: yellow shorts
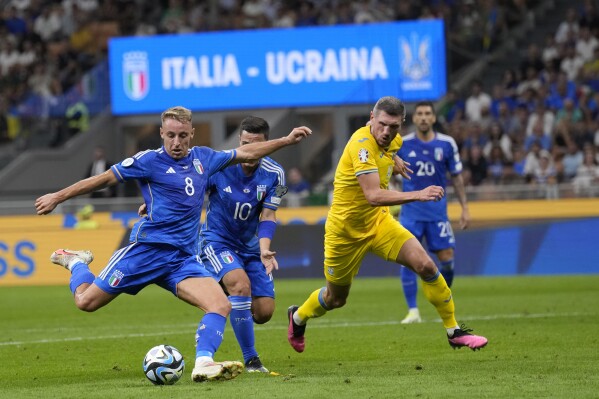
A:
x,y
343,255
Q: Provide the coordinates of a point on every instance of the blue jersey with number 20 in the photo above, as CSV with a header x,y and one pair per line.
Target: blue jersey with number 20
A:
x,y
430,162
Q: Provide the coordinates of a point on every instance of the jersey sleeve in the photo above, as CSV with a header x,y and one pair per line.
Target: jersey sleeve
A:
x,y
218,160
362,152
454,164
135,167
277,189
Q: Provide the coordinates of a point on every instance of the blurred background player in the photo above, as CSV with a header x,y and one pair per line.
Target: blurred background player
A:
x,y
85,219
99,165
236,236
163,248
431,155
359,222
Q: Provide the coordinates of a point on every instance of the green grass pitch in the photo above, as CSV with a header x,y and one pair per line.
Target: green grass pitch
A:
x,y
543,343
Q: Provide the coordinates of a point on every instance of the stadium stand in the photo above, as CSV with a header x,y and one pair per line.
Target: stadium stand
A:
x,y
523,76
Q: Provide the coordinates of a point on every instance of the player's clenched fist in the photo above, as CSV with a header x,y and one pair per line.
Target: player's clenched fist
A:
x,y
431,193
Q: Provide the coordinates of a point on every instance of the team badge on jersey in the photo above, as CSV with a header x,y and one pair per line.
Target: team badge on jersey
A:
x,y
438,154
363,155
116,278
198,166
260,191
227,257
127,162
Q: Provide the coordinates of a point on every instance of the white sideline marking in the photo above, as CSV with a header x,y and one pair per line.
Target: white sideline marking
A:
x,y
319,324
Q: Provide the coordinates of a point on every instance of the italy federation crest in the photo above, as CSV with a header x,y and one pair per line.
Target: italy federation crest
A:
x,y
136,74
260,191
198,166
115,278
438,154
227,257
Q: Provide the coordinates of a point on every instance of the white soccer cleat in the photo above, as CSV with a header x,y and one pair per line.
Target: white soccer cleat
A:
x,y
64,257
216,371
412,317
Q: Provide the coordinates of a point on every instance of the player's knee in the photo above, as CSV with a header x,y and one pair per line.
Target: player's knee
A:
x,y
221,307
86,305
262,318
239,288
262,313
335,302
425,267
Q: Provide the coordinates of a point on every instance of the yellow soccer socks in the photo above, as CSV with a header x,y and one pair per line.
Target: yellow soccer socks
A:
x,y
438,293
313,307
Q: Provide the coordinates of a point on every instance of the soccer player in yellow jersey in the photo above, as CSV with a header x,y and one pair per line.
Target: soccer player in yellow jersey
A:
x,y
359,221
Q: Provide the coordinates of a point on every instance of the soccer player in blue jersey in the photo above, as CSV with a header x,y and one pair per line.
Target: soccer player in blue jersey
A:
x,y
235,238
432,155
163,244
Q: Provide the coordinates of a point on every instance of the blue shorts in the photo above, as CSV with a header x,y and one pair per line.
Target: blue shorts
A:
x,y
138,265
220,259
438,234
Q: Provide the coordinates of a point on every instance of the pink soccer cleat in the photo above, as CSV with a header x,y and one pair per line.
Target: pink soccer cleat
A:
x,y
295,333
462,337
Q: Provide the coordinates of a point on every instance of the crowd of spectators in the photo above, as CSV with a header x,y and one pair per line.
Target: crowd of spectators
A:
x,y
46,45
539,125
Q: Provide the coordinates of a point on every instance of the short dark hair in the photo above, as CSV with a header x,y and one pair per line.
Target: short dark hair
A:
x,y
391,105
425,104
255,125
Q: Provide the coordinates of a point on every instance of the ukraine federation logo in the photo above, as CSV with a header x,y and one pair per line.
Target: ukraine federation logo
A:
x,y
415,62
136,75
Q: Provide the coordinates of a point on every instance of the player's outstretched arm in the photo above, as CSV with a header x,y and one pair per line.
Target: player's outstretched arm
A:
x,y
46,203
255,151
376,196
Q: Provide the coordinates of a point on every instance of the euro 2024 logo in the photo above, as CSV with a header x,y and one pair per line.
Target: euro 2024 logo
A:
x,y
136,75
415,52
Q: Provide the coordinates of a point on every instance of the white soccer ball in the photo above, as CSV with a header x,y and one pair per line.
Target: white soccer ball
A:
x,y
163,365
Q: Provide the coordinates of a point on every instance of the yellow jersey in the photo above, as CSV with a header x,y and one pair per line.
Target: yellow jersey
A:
x,y
350,213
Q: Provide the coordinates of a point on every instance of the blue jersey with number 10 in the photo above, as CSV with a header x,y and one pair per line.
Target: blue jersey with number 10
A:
x,y
236,202
430,162
173,192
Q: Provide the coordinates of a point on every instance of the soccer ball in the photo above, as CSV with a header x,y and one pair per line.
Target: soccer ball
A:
x,y
163,365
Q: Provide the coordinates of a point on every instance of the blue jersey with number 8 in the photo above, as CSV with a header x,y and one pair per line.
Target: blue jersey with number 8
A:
x,y
173,191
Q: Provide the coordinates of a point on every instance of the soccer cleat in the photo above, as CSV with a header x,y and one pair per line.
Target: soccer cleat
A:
x,y
413,316
254,365
295,333
216,371
63,257
462,337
